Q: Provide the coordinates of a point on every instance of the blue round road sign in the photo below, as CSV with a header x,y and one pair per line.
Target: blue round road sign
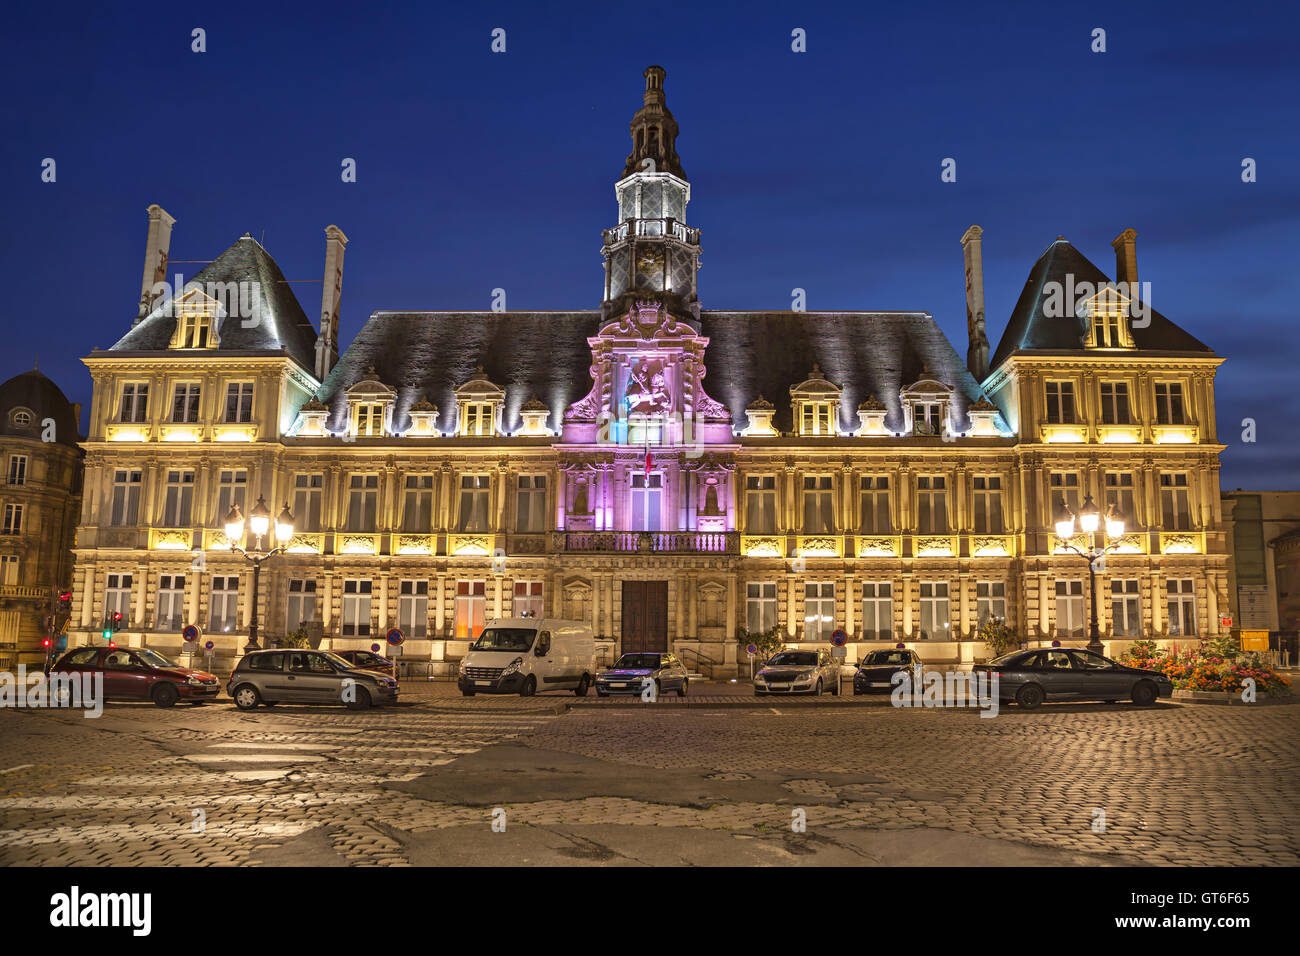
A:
x,y
209,645
395,637
191,632
751,649
375,648
839,638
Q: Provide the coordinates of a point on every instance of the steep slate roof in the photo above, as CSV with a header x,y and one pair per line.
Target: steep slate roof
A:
x,y
34,391
1029,329
429,354
283,325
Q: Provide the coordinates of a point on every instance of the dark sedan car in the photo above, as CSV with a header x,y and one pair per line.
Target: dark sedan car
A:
x,y
140,674
633,672
876,671
1072,673
368,660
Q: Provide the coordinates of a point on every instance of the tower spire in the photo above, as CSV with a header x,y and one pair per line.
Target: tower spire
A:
x,y
654,131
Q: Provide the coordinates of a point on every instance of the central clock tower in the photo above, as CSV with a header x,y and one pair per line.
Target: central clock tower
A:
x,y
652,253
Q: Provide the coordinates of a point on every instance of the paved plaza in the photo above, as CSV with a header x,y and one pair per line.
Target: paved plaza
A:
x,y
846,781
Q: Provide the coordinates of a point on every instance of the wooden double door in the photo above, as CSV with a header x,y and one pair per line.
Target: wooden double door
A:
x,y
645,616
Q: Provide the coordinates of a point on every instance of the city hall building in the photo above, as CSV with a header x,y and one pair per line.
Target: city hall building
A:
x,y
670,474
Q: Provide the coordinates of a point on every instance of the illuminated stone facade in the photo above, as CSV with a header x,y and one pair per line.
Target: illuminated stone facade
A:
x,y
668,473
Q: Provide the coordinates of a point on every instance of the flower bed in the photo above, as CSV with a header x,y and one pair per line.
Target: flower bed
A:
x,y
1207,670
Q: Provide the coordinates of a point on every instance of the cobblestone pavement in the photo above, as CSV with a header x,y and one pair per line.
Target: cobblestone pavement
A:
x,y
1178,784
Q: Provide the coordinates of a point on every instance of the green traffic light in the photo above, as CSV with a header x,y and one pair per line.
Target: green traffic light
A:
x,y
107,634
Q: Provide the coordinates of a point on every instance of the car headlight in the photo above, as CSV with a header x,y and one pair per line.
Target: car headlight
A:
x,y
463,666
193,680
513,666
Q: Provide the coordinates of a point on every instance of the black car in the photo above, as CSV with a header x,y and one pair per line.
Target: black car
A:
x,y
633,672
1072,673
876,671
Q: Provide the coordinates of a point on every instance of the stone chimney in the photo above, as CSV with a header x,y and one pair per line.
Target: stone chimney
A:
x,y
1126,261
327,340
977,354
155,258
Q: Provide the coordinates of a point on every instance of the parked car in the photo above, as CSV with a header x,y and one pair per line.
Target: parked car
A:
x,y
798,672
140,674
1072,673
306,677
368,660
633,671
522,655
876,671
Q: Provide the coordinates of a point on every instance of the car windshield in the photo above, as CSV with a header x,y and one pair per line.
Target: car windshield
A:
x,y
369,657
795,658
638,661
336,660
878,658
153,658
505,639
1013,657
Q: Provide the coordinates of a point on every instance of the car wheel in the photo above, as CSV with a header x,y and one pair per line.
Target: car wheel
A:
x,y
165,695
362,701
583,684
818,691
246,697
681,691
1030,697
1144,693
529,688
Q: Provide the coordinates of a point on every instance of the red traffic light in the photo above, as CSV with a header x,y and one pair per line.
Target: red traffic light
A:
x,y
65,595
45,643
117,616
112,643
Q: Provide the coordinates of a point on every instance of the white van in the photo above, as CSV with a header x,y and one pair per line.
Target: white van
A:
x,y
522,655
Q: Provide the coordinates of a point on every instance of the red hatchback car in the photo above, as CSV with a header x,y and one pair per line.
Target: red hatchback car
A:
x,y
140,674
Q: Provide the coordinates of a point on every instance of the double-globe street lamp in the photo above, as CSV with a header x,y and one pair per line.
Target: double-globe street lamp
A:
x,y
1089,519
259,521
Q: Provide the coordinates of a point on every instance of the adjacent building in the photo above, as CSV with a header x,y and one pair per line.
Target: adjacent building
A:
x,y
668,473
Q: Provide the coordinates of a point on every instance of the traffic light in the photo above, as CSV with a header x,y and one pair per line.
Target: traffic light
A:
x,y
46,643
117,621
65,600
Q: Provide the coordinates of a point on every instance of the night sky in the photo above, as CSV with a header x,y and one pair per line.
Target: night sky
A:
x,y
819,170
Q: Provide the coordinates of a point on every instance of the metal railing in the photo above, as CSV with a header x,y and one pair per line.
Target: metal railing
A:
x,y
648,542
699,663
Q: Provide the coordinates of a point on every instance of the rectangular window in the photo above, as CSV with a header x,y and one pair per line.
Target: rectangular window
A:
x,y
936,620
1060,403
413,608
223,615
417,507
194,330
8,569
356,607
815,418
530,504
528,599
307,494
931,504
1119,492
818,610
363,502
125,511
478,419
873,504
117,597
1125,608
818,504
1169,403
239,402
232,489
370,419
1175,502
1114,403
1069,609
135,403
474,503
1064,488
647,502
1108,329
13,519
300,609
171,603
927,418
471,606
988,504
178,499
760,606
17,469
760,504
1181,594
990,601
185,403
877,611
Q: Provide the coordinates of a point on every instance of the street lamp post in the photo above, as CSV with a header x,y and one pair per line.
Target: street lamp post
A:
x,y
259,521
1089,519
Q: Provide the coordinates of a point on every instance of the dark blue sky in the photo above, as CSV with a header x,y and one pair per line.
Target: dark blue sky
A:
x,y
818,170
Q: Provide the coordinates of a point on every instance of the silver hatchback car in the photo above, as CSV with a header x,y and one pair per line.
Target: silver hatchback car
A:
x,y
306,677
799,672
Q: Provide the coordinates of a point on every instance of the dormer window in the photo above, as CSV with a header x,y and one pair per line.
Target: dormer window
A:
x,y
195,321
928,418
194,331
368,419
370,404
1107,314
479,405
814,403
928,405
478,419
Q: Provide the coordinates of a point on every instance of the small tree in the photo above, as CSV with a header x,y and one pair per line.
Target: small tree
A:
x,y
768,642
296,639
998,635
